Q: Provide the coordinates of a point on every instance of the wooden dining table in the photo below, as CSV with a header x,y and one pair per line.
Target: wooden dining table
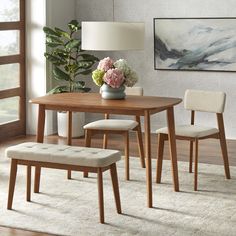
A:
x,y
132,105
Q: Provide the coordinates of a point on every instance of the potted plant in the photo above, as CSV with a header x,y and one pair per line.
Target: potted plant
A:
x,y
68,62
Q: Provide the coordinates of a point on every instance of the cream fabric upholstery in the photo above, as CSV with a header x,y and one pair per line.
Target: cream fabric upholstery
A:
x,y
193,131
117,124
134,91
112,124
63,154
207,101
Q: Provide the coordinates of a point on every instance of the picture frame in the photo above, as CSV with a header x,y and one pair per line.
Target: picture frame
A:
x,y
195,44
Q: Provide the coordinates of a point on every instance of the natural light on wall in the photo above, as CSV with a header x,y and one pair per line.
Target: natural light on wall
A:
x,y
35,62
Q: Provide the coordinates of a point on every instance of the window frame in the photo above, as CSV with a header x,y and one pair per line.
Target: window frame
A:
x,y
17,127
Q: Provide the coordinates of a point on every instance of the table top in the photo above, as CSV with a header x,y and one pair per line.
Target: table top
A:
x,y
92,102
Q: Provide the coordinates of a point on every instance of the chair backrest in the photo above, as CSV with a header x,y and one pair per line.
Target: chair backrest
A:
x,y
207,101
134,91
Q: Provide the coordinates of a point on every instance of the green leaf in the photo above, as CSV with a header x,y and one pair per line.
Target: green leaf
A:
x,y
74,25
85,64
62,33
89,57
49,31
54,59
53,45
84,89
53,39
59,74
73,44
80,84
59,89
84,72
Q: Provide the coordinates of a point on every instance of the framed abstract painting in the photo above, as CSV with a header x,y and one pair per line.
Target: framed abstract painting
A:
x,y
196,44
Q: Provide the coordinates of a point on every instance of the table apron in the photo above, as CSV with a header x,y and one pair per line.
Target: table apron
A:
x,y
135,112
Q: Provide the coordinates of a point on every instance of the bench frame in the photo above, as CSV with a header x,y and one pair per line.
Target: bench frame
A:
x,y
98,170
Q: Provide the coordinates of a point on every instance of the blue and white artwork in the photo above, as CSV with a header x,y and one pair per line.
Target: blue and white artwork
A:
x,y
195,44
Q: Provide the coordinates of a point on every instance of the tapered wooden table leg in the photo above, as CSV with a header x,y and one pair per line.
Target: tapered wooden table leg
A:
x,y
39,138
172,146
148,157
69,136
160,152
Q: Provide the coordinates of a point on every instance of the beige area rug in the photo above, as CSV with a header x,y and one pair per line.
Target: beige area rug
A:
x,y
71,207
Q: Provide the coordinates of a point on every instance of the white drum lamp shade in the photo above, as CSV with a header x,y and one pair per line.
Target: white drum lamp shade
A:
x,y
112,36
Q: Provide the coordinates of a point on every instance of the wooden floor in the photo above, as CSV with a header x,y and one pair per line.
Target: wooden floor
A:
x,y
209,152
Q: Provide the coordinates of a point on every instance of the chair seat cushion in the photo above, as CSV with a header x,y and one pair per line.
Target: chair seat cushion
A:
x,y
192,131
112,124
63,154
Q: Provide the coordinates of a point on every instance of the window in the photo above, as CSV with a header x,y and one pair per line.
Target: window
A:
x,y
12,68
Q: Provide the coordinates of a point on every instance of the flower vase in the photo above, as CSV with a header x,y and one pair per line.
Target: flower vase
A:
x,y
108,92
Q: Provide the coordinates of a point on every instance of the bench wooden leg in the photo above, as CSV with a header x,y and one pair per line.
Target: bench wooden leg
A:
x,y
100,195
160,151
37,179
12,183
28,185
115,186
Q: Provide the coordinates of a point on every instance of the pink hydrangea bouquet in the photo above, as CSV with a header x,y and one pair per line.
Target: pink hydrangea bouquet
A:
x,y
115,74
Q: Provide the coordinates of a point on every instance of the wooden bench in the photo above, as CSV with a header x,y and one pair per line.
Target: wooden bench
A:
x,y
64,157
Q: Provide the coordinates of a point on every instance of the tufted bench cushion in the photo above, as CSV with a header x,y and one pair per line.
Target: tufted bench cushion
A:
x,y
63,154
65,157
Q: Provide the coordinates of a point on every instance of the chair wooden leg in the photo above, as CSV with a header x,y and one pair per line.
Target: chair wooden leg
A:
x,y
115,186
223,144
172,147
100,195
225,157
191,157
37,179
140,142
69,174
196,165
160,151
126,135
88,136
12,182
28,185
105,139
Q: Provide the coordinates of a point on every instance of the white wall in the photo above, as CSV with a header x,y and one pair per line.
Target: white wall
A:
x,y
35,64
40,13
168,83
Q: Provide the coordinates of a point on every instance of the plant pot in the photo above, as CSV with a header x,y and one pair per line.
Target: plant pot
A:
x,y
108,92
78,120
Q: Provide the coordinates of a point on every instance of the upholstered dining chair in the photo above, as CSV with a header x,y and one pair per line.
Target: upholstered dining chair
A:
x,y
204,101
118,126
